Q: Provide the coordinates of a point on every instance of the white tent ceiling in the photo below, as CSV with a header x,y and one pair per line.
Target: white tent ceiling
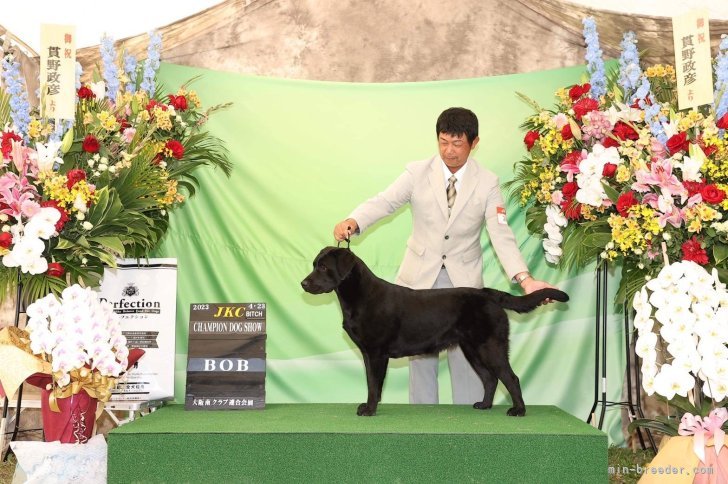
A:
x,y
126,18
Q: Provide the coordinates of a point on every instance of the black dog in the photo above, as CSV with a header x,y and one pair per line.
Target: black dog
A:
x,y
389,321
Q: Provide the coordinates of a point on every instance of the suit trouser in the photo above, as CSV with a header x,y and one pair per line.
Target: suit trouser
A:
x,y
466,385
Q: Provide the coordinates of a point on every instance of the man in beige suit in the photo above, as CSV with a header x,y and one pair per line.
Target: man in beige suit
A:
x,y
452,197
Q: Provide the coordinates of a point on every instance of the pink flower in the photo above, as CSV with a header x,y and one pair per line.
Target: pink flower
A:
x,y
29,208
659,152
660,176
128,134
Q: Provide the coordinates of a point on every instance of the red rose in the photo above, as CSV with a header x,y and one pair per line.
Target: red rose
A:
x,y
577,91
608,142
7,142
566,132
609,170
625,201
583,106
571,208
693,187
74,176
123,124
64,215
152,104
90,144
530,139
624,131
179,102
55,269
722,123
712,194
678,142
569,189
5,240
176,148
85,93
692,251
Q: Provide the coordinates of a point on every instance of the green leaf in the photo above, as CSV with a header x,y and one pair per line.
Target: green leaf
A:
x,y
646,423
720,252
611,192
113,244
597,240
529,101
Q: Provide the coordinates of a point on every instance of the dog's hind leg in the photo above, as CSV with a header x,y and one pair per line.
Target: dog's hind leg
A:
x,y
490,382
376,369
496,358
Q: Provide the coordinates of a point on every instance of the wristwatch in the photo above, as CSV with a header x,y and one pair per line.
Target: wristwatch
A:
x,y
522,277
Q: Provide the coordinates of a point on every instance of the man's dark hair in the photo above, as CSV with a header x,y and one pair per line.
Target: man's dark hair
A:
x,y
458,121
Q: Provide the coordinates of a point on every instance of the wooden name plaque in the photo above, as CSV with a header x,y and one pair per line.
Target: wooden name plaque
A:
x,y
226,357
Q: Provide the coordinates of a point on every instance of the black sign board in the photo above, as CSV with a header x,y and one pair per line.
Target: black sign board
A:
x,y
226,357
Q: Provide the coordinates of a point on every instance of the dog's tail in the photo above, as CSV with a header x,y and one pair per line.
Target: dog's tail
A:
x,y
529,302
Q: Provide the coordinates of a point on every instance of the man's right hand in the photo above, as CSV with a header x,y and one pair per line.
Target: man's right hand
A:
x,y
345,229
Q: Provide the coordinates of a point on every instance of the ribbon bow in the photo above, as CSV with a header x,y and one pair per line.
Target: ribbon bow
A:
x,y
703,428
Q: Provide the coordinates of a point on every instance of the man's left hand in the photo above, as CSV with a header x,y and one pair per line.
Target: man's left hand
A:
x,y
530,285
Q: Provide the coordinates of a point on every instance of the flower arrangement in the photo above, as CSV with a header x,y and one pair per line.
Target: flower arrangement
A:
x,y
76,195
616,173
680,317
79,336
73,349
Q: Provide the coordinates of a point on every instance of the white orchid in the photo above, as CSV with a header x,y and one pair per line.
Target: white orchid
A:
x,y
555,222
685,310
670,381
76,331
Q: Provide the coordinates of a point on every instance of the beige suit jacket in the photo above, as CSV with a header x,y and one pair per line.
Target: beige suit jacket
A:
x,y
437,239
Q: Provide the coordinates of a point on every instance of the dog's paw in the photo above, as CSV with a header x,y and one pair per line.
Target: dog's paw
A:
x,y
365,411
516,412
482,405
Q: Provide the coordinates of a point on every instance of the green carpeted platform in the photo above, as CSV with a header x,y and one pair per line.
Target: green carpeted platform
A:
x,y
329,443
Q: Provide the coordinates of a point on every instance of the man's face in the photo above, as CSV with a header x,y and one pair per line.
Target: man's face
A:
x,y
455,149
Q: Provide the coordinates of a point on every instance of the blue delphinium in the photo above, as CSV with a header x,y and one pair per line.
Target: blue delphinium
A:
x,y
595,63
151,64
15,87
721,81
111,70
653,116
629,66
60,128
130,66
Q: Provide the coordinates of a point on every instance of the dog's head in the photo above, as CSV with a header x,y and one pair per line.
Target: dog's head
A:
x,y
331,266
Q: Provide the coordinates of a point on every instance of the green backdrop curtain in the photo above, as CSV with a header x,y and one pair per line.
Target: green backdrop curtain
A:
x,y
305,154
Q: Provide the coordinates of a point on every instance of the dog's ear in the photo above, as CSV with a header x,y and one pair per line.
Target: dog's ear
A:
x,y
345,262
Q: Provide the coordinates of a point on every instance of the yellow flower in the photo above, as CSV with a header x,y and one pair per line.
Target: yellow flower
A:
x,y
34,128
162,118
108,121
706,213
695,226
88,118
623,174
143,116
192,96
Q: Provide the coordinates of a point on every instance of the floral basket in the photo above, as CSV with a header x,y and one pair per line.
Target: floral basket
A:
x,y
73,349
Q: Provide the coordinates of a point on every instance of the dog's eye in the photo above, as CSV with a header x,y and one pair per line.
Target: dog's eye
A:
x,y
323,268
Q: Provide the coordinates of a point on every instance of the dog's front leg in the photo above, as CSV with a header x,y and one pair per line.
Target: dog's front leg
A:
x,y
376,368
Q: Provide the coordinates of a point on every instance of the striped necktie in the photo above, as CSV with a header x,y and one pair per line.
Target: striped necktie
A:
x,y
451,193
